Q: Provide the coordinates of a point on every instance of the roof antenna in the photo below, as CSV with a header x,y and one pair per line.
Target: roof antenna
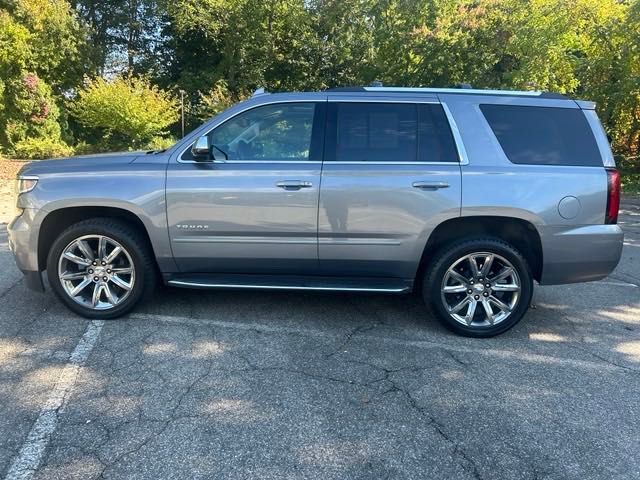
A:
x,y
376,83
259,91
465,86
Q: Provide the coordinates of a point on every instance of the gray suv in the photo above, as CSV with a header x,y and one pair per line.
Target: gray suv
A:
x,y
466,196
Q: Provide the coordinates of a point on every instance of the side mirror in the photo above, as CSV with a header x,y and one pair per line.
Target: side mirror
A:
x,y
200,150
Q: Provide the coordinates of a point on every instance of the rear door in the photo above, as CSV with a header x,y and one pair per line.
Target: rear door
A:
x,y
254,209
391,174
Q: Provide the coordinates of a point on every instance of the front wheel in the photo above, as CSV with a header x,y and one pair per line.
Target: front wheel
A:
x,y
478,287
100,268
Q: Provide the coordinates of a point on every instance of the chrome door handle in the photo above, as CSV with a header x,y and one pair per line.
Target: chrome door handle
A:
x,y
430,185
293,184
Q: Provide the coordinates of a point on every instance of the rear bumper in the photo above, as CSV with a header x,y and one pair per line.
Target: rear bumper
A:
x,y
580,254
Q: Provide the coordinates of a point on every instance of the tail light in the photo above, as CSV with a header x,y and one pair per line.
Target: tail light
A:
x,y
613,196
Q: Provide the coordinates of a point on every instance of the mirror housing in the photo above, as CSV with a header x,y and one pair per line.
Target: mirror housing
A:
x,y
200,149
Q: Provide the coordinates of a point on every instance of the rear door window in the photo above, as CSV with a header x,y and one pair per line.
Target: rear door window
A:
x,y
543,135
389,132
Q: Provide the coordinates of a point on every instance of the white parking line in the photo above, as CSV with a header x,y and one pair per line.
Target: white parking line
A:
x,y
30,455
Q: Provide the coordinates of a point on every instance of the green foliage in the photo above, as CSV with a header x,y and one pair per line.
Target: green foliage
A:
x,y
40,148
39,45
127,111
216,100
219,50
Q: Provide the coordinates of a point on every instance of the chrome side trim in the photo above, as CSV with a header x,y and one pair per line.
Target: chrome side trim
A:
x,y
180,283
230,239
462,152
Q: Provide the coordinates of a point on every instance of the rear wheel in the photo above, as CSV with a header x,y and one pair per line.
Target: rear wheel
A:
x,y
478,287
100,268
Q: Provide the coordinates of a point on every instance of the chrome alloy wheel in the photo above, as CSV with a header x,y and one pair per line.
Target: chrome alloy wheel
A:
x,y
96,271
480,289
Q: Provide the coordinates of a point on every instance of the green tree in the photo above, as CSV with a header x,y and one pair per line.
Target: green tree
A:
x,y
39,57
126,112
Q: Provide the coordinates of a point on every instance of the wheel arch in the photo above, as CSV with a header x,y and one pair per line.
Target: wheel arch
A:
x,y
56,221
522,234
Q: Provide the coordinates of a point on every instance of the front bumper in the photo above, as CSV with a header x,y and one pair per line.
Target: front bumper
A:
x,y
580,254
23,243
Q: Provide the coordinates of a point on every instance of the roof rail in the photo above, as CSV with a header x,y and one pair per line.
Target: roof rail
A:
x,y
462,89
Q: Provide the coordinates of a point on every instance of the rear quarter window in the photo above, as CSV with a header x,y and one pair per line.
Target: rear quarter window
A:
x,y
543,135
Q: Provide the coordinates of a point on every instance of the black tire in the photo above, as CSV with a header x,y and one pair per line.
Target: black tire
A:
x,y
447,257
135,245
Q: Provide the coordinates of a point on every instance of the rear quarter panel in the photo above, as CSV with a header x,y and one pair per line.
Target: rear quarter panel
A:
x,y
492,185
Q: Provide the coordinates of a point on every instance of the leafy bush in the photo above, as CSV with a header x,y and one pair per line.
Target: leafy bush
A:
x,y
39,148
127,112
160,143
217,99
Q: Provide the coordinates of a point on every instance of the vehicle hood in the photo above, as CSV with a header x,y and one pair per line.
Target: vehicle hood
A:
x,y
106,161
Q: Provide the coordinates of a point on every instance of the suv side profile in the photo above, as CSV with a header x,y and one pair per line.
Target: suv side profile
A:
x,y
467,196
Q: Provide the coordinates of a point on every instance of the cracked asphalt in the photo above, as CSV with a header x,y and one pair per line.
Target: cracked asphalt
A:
x,y
330,386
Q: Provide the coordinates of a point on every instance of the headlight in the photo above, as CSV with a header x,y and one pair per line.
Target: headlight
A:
x,y
25,184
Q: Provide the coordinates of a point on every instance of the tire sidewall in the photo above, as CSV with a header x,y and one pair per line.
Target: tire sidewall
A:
x,y
117,232
442,262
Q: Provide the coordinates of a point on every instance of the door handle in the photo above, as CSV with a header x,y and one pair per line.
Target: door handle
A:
x,y
293,184
430,185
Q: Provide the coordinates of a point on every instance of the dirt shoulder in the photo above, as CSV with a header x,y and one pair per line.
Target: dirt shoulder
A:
x,y
8,171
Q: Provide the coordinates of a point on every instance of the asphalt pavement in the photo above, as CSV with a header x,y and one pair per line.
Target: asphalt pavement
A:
x,y
257,385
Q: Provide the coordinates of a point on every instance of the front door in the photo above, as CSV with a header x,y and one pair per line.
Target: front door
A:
x,y
254,208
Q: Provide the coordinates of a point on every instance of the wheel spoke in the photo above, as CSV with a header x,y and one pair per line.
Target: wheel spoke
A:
x,y
470,312
459,306
109,294
86,250
505,287
121,283
97,290
81,286
122,271
72,275
486,266
504,273
489,311
500,304
454,289
76,259
459,277
102,247
114,253
474,266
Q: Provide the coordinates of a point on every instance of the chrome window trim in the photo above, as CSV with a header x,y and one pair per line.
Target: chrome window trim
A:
x,y
463,159
364,162
251,107
457,137
281,162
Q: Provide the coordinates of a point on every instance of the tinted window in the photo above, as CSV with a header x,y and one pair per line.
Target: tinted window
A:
x,y
389,132
272,132
435,141
543,135
379,132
